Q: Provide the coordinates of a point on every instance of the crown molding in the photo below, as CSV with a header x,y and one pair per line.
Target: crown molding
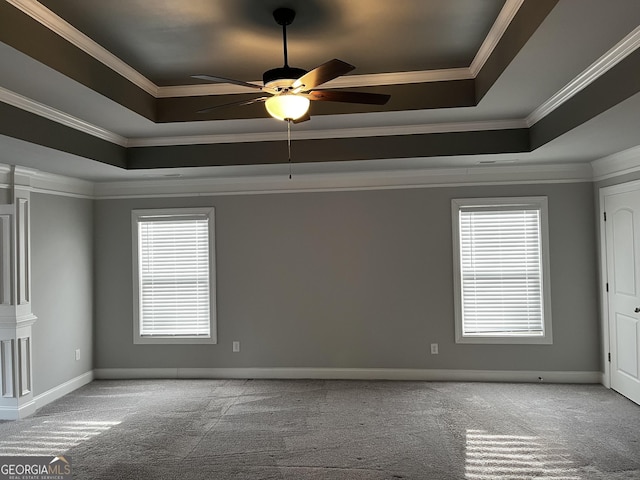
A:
x,y
52,184
58,116
38,181
380,131
500,26
349,181
606,62
47,18
50,113
276,180
621,163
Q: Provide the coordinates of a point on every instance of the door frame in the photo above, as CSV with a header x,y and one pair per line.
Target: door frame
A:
x,y
630,186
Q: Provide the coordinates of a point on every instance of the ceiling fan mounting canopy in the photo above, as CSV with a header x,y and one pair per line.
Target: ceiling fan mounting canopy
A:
x,y
284,16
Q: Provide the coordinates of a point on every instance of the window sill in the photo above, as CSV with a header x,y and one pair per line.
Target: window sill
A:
x,y
546,340
174,340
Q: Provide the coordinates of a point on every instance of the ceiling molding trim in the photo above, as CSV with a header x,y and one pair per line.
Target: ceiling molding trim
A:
x,y
606,62
382,131
501,24
29,105
48,183
53,184
380,180
617,164
58,116
50,20
346,81
6,176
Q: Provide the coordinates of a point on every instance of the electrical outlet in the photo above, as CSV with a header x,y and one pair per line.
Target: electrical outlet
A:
x,y
434,349
236,346
77,354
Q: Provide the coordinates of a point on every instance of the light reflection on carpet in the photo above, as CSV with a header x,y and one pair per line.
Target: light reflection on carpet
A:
x,y
53,437
514,457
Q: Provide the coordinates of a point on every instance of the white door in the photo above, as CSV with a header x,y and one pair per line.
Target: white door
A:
x,y
622,231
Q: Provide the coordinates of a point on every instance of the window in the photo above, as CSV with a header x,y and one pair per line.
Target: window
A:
x,y
174,276
501,273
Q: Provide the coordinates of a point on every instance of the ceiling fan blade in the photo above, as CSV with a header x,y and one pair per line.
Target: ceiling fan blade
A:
x,y
210,78
233,104
348,97
321,74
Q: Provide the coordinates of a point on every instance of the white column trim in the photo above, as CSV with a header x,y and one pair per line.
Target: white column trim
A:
x,y
16,317
6,287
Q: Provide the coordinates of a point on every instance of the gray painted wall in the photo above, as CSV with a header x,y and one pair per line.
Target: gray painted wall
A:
x,y
359,279
62,287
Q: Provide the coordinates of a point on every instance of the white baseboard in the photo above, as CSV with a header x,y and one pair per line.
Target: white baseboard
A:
x,y
351,374
16,413
39,401
63,389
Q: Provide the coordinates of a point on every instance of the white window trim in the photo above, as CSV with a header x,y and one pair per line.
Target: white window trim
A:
x,y
136,215
538,202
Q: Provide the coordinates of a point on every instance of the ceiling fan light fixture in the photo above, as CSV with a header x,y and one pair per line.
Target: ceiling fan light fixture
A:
x,y
287,106
293,88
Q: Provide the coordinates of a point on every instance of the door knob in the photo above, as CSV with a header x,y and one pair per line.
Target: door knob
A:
x,y
637,310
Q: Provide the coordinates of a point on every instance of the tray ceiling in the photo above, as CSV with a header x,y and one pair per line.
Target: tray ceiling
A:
x,y
108,83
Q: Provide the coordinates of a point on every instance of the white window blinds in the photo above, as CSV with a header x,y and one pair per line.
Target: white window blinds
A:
x,y
174,279
501,271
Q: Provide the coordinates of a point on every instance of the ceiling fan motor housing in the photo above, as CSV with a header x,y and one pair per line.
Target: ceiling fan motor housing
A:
x,y
281,77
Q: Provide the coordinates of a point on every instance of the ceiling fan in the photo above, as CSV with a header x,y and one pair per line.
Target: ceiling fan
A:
x,y
291,89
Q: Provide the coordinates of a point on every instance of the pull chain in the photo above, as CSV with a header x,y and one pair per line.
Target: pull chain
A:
x,y
289,144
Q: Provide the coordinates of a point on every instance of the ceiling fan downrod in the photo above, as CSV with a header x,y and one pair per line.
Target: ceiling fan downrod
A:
x,y
284,16
281,78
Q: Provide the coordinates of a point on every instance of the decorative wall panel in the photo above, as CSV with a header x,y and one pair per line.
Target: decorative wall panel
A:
x,y
6,368
24,365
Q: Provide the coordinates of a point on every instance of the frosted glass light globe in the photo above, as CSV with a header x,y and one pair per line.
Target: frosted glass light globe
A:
x,y
287,106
